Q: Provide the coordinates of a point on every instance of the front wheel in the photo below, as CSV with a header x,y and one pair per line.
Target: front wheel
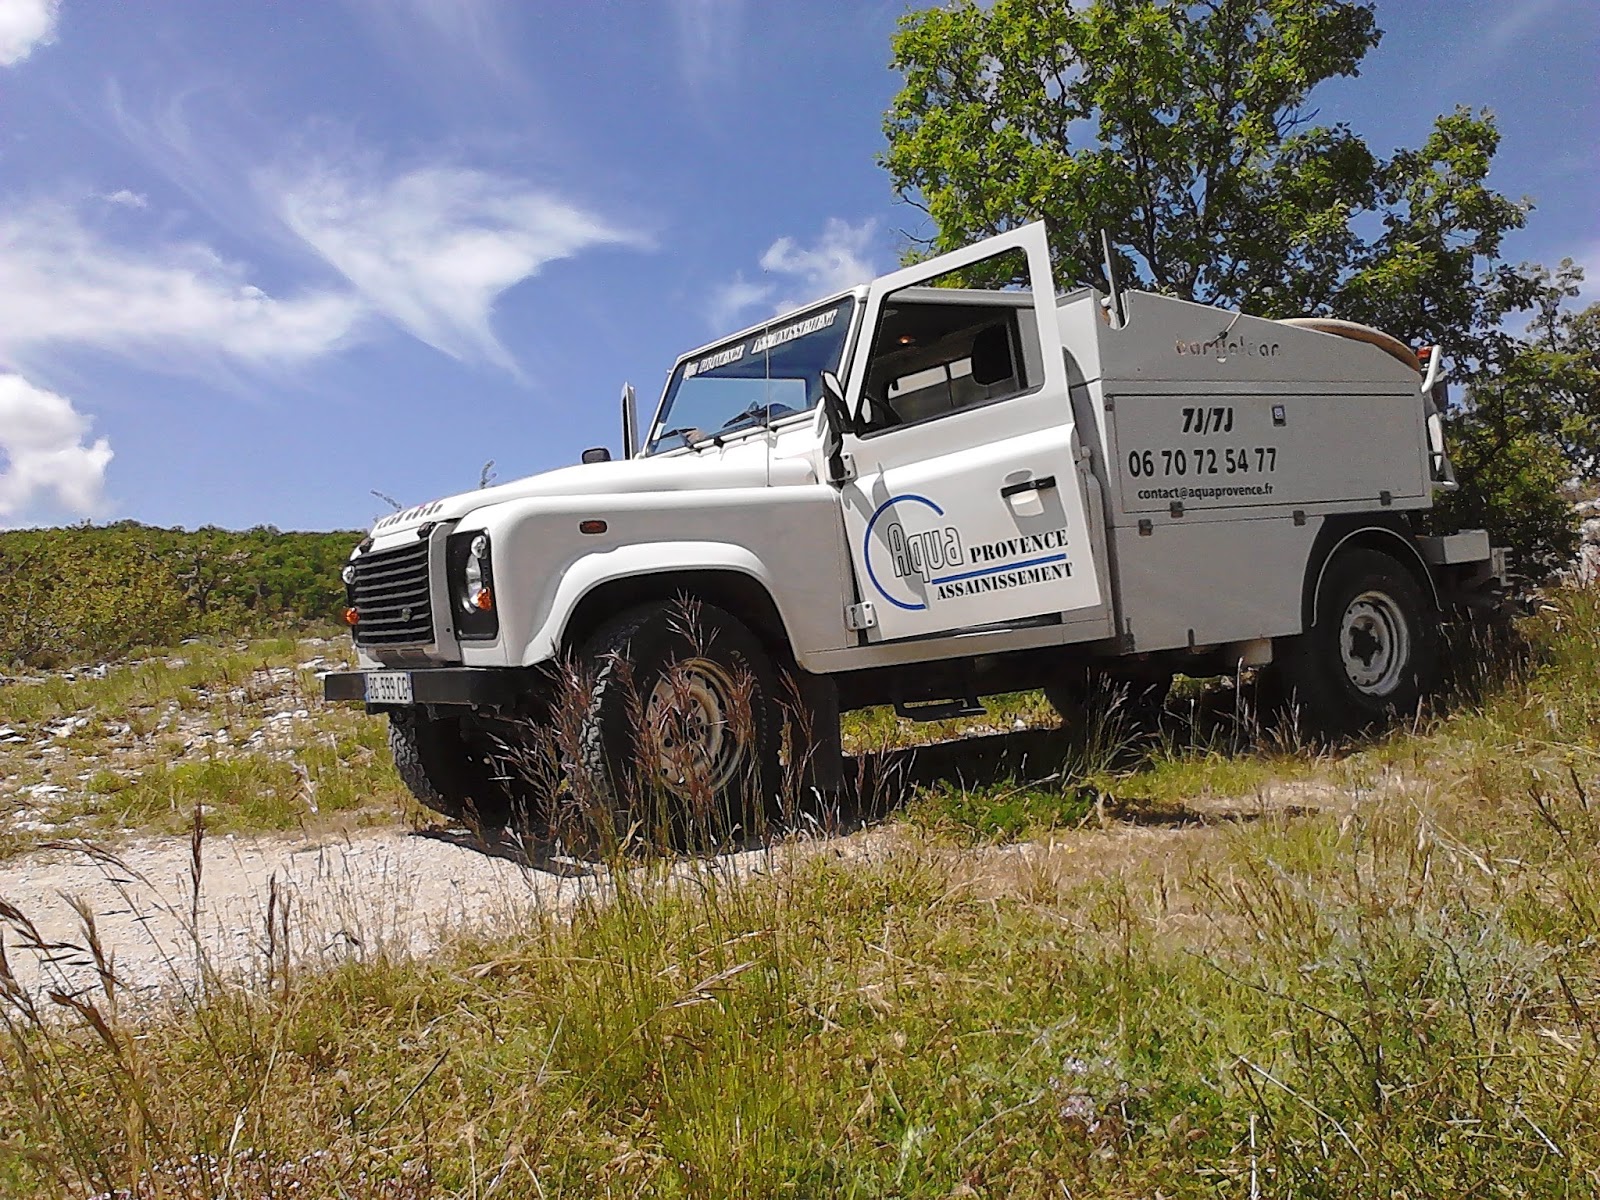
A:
x,y
681,737
1372,654
443,771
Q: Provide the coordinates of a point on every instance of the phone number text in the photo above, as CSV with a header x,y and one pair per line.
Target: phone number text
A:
x,y
1179,462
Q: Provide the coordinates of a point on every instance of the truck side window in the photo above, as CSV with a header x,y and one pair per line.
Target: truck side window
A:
x,y
930,359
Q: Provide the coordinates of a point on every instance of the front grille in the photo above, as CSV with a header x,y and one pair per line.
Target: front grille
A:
x,y
390,593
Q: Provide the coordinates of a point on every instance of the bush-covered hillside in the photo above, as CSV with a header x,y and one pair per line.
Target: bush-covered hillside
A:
x,y
90,592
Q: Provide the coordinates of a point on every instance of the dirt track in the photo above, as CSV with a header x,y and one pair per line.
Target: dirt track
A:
x,y
390,892
375,892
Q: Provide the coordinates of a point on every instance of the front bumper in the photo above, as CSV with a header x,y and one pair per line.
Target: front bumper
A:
x,y
474,687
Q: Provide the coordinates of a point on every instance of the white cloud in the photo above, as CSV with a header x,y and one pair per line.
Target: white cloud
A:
x,y
1514,23
471,22
737,296
797,274
63,284
43,451
473,34
1480,48
708,33
841,257
435,248
25,24
127,199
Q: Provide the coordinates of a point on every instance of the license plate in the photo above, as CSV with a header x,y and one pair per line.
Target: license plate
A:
x,y
388,687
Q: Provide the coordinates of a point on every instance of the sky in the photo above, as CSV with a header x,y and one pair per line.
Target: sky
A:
x,y
260,260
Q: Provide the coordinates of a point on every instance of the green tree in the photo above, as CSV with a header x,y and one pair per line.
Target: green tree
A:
x,y
1183,129
1556,374
1527,428
86,593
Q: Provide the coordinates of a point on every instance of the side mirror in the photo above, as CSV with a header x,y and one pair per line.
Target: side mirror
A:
x,y
630,422
835,421
597,454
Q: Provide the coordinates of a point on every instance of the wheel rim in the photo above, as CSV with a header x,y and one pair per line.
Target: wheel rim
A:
x,y
690,718
1374,644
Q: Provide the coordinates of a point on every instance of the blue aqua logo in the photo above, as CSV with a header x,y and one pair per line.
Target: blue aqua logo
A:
x,y
908,560
907,566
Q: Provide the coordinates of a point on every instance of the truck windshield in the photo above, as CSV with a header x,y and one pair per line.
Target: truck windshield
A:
x,y
764,376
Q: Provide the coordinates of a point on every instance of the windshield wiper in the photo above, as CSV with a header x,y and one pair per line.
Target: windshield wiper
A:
x,y
756,414
693,436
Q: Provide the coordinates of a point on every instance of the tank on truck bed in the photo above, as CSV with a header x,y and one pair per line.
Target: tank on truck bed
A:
x,y
947,483
1231,446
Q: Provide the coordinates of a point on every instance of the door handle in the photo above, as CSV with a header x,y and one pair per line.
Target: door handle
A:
x,y
1042,484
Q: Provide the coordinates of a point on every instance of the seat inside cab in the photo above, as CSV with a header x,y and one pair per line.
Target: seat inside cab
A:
x,y
932,358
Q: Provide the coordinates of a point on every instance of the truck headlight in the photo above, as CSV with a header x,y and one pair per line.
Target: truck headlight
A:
x,y
471,573
476,596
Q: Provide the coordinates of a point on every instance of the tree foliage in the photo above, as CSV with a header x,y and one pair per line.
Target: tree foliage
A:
x,y
1185,130
87,593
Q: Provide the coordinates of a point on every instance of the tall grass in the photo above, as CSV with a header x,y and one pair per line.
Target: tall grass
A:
x,y
1338,1009
1395,996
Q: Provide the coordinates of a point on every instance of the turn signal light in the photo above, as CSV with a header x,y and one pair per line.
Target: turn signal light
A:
x,y
351,616
485,600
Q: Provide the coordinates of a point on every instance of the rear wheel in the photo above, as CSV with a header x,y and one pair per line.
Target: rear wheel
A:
x,y
681,738
1372,654
440,768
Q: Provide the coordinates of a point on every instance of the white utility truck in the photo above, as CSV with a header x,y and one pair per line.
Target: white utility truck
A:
x,y
947,483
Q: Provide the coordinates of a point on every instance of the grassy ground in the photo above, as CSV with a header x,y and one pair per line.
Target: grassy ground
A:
x,y
1108,759
239,728
1392,992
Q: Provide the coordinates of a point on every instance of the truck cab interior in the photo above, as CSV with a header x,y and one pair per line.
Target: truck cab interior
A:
x,y
932,358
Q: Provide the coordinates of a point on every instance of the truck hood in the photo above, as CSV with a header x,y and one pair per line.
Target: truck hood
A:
x,y
674,473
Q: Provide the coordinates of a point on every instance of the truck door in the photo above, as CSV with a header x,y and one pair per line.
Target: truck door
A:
x,y
966,507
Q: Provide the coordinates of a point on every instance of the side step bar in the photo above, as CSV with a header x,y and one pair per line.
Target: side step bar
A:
x,y
940,710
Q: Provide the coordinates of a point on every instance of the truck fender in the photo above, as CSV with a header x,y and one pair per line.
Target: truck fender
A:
x,y
1336,535
594,571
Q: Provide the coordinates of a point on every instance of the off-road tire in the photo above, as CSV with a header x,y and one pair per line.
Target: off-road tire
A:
x,y
625,661
441,770
1372,655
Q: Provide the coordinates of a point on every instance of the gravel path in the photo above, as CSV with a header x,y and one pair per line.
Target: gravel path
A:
x,y
267,900
317,901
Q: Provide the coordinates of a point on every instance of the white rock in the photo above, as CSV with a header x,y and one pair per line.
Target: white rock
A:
x,y
67,727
